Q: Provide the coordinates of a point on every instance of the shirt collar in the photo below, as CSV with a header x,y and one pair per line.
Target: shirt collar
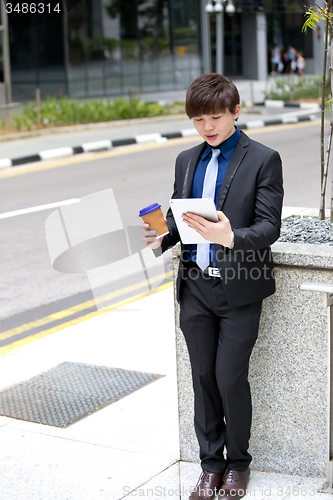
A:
x,y
226,147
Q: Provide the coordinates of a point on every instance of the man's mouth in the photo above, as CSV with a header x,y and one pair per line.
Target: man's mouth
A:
x,y
211,137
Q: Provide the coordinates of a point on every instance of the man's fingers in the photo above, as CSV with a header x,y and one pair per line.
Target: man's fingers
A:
x,y
222,216
149,237
197,223
193,219
149,234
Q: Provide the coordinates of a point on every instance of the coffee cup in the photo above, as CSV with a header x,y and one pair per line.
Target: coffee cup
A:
x,y
153,216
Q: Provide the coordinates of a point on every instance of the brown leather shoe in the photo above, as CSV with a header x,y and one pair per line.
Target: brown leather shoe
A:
x,y
208,486
234,484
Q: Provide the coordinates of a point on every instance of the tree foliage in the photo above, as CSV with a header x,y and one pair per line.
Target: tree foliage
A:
x,y
315,14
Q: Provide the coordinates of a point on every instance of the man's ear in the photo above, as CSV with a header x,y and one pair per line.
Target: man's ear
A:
x,y
237,111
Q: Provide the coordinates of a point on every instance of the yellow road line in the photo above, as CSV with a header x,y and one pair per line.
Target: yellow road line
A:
x,y
80,307
23,169
50,331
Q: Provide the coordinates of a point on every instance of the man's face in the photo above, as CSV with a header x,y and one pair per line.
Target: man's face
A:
x,y
216,128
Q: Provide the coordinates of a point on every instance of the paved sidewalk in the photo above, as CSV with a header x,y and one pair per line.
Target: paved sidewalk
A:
x,y
129,448
115,449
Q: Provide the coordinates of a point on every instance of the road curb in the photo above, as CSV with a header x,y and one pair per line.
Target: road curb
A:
x,y
143,139
272,103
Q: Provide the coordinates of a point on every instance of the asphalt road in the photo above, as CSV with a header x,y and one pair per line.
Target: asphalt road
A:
x,y
31,290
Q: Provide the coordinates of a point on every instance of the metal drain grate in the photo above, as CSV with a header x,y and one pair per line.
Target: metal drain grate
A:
x,y
68,392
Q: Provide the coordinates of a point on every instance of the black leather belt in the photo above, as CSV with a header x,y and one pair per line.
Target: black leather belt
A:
x,y
211,271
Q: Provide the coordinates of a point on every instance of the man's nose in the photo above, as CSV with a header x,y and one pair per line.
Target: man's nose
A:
x,y
208,125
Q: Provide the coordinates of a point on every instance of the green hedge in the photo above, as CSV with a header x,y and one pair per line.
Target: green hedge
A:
x,y
290,88
68,111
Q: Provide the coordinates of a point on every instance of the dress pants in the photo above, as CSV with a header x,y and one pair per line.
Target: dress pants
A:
x,y
220,340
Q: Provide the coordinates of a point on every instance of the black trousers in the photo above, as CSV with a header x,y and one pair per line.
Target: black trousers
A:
x,y
220,340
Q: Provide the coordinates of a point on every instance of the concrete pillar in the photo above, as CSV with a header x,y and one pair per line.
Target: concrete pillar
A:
x,y
254,45
2,94
318,49
6,54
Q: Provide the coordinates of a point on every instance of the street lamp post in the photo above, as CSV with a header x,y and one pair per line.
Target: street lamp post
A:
x,y
216,7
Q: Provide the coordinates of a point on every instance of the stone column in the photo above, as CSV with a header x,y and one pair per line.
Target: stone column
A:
x,y
254,45
288,369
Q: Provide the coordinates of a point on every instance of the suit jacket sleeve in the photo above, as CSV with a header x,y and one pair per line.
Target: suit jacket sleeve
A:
x,y
173,237
265,228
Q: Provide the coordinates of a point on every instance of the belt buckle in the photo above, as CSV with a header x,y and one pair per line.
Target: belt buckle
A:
x,y
214,272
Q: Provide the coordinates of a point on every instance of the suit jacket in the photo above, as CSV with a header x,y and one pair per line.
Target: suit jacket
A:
x,y
251,197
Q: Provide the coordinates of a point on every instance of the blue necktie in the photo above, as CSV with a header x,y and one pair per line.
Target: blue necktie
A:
x,y
208,191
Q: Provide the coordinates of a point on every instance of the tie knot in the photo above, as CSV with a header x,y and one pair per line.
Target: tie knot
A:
x,y
216,152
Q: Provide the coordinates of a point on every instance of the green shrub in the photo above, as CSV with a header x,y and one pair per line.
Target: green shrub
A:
x,y
156,109
18,122
177,107
68,111
185,34
294,88
27,122
154,43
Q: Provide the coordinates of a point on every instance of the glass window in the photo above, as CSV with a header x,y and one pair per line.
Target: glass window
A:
x,y
232,45
104,47
167,80
132,84
37,57
96,87
150,81
113,86
184,16
77,88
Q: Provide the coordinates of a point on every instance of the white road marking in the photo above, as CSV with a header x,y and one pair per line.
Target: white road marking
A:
x,y
39,208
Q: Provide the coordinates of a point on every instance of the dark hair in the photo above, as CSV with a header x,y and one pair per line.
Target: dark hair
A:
x,y
209,94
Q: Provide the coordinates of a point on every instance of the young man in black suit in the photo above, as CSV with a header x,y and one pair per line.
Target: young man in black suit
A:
x,y
220,286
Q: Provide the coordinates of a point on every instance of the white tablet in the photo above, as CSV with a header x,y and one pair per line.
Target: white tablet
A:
x,y
199,206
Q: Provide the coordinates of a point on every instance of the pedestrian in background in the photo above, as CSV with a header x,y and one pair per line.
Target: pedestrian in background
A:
x,y
286,61
292,58
300,64
275,59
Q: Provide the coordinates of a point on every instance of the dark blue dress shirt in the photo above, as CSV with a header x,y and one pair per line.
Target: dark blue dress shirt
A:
x,y
227,148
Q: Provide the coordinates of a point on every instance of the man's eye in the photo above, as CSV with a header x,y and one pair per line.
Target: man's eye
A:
x,y
198,119
216,117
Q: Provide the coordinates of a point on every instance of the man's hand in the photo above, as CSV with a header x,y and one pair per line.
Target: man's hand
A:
x,y
218,232
149,236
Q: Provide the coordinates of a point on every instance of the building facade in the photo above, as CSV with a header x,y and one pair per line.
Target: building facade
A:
x,y
101,48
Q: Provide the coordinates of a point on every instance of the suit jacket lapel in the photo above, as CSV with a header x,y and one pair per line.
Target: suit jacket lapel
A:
x,y
190,169
235,161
